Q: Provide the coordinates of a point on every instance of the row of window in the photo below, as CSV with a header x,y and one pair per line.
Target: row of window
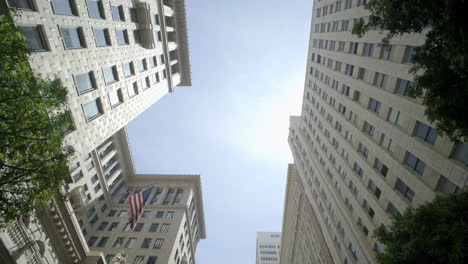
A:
x,y
336,7
129,243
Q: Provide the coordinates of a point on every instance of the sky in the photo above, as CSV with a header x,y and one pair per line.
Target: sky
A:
x,y
248,62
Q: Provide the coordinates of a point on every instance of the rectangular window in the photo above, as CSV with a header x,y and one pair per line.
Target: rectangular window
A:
x,y
409,54
356,96
162,58
404,87
353,47
368,128
146,214
92,109
368,209
363,150
102,37
133,89
153,227
142,65
110,74
374,105
145,83
164,228
380,80
130,242
158,243
85,82
159,214
446,186
64,7
170,214
117,13
72,37
152,260
368,49
349,69
414,163
122,36
392,210
380,166
146,243
91,241
460,152
118,242
115,97
374,189
137,36
113,226
156,19
129,69
406,191
95,9
358,169
35,37
21,4
138,227
133,15
102,226
393,116
386,53
138,260
425,132
153,61
103,242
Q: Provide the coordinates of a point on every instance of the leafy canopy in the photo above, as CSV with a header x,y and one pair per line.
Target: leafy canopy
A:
x,y
435,232
441,64
33,160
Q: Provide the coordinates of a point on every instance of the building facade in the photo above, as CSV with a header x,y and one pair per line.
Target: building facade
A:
x,y
363,149
268,247
115,58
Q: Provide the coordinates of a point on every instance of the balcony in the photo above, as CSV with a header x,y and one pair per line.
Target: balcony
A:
x,y
146,27
78,201
27,250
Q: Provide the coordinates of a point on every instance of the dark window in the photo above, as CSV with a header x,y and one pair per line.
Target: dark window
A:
x,y
72,37
375,190
142,65
460,152
95,9
392,210
368,128
92,109
137,36
21,4
35,37
133,15
102,37
446,186
122,36
374,105
404,87
129,70
64,7
117,13
425,132
110,74
406,191
414,163
380,166
85,82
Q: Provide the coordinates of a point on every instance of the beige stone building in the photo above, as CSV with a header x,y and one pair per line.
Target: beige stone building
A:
x,y
116,58
268,247
363,149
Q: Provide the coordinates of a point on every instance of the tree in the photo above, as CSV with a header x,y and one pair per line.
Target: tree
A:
x,y
33,159
435,232
441,64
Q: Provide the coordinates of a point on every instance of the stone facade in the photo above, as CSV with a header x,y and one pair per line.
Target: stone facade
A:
x,y
363,148
268,247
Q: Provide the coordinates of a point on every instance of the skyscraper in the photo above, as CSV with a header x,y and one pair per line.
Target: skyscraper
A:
x,y
115,58
268,247
363,149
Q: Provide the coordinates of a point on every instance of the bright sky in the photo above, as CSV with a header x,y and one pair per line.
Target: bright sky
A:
x,y
248,66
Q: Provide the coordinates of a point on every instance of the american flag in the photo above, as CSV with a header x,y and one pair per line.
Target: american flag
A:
x,y
137,203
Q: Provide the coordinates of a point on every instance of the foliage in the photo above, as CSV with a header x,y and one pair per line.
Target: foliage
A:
x,y
440,64
33,160
435,232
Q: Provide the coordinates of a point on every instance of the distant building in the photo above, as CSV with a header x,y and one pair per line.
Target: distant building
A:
x,y
116,59
268,247
363,149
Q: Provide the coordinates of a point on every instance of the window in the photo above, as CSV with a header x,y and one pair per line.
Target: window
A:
x,y
353,46
368,128
162,58
404,87
393,115
414,163
118,242
362,227
425,132
113,226
363,74
21,4
92,240
406,191
363,150
380,80
138,260
146,83
158,243
386,53
102,226
122,36
110,74
159,36
164,228
94,179
156,19
117,13
72,37
35,37
146,214
129,69
374,105
133,89
460,152
64,7
153,61
409,54
392,210
95,9
356,96
446,186
152,260
92,109
358,169
112,213
153,227
352,250
85,82
156,77
170,214
102,242
375,190
102,37
142,65
130,242
146,243
387,143
380,166
341,46
368,209
349,69
138,227
115,97
368,49
133,15
159,214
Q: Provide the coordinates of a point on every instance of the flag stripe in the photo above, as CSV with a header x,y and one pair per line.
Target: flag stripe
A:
x,y
137,203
